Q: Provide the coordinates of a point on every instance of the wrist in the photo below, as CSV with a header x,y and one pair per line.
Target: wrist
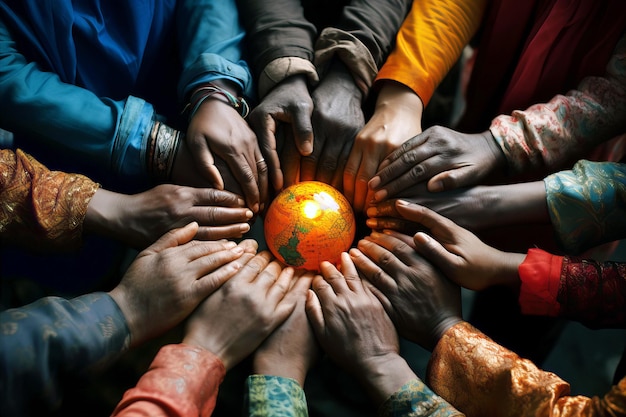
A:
x,y
384,375
104,211
499,161
442,326
281,366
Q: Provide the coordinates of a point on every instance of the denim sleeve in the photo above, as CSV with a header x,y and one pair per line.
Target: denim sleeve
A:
x,y
51,339
211,40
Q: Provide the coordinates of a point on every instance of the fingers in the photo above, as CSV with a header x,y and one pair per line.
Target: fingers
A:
x,y
174,238
370,270
214,197
262,175
313,309
351,170
428,218
266,129
302,128
256,265
350,273
435,252
219,268
231,231
205,161
334,278
244,171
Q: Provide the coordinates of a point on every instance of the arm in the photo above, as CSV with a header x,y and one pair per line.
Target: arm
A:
x,y
547,136
584,204
51,338
41,207
591,292
111,135
480,377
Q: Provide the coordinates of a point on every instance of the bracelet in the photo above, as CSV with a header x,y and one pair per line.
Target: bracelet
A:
x,y
201,94
162,150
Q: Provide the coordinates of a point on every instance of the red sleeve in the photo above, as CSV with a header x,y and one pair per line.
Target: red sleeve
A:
x,y
182,381
540,274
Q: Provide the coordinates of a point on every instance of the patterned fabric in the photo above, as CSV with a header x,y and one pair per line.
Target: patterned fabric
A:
x,y
274,396
51,339
483,379
41,207
593,293
551,134
587,205
540,276
182,381
415,399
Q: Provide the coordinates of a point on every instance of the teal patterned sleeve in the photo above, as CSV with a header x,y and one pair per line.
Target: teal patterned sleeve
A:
x,y
274,396
415,399
587,205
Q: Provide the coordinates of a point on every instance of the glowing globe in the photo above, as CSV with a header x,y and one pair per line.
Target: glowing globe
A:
x,y
308,223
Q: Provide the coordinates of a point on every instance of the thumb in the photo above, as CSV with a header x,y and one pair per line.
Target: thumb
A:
x,y
433,251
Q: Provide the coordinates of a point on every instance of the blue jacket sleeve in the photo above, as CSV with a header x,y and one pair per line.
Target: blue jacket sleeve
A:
x,y
211,45
107,133
50,339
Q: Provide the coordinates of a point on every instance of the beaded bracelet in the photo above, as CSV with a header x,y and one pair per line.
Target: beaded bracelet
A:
x,y
162,150
201,94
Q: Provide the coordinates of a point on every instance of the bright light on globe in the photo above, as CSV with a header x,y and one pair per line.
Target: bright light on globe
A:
x,y
308,223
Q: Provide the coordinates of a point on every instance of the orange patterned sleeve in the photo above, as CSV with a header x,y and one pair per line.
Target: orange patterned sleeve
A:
x,y
481,378
39,206
429,42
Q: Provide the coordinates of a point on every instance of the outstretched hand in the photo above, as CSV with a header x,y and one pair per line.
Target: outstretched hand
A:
x,y
442,157
166,281
289,106
422,302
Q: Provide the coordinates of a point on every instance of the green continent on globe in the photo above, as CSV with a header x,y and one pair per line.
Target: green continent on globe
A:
x,y
290,253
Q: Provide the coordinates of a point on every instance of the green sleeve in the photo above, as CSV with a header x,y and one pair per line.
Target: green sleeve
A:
x,y
274,396
415,399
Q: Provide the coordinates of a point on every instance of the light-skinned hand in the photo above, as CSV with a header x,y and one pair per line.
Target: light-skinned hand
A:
x,y
167,280
246,309
397,118
422,302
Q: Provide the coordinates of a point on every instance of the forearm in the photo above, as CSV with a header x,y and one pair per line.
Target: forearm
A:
x,y
383,376
583,204
51,339
182,381
429,42
211,46
43,207
547,136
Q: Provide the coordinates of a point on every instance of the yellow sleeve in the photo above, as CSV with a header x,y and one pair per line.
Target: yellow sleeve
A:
x,y
430,41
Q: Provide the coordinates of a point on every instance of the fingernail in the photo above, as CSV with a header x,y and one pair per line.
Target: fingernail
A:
x,y
402,203
262,206
238,250
371,223
372,211
374,182
380,195
241,201
244,228
249,214
230,244
255,208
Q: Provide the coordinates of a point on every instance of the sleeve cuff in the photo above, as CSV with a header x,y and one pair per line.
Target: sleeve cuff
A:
x,y
540,274
282,68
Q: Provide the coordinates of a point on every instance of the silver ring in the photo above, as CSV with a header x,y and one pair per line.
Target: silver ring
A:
x,y
260,161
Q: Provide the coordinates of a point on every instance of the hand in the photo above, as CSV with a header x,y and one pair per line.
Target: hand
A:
x,y
233,321
337,118
396,119
139,220
460,255
166,281
291,349
354,330
476,208
446,159
218,128
289,103
422,303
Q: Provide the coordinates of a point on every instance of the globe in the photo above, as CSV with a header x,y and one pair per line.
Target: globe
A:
x,y
308,223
